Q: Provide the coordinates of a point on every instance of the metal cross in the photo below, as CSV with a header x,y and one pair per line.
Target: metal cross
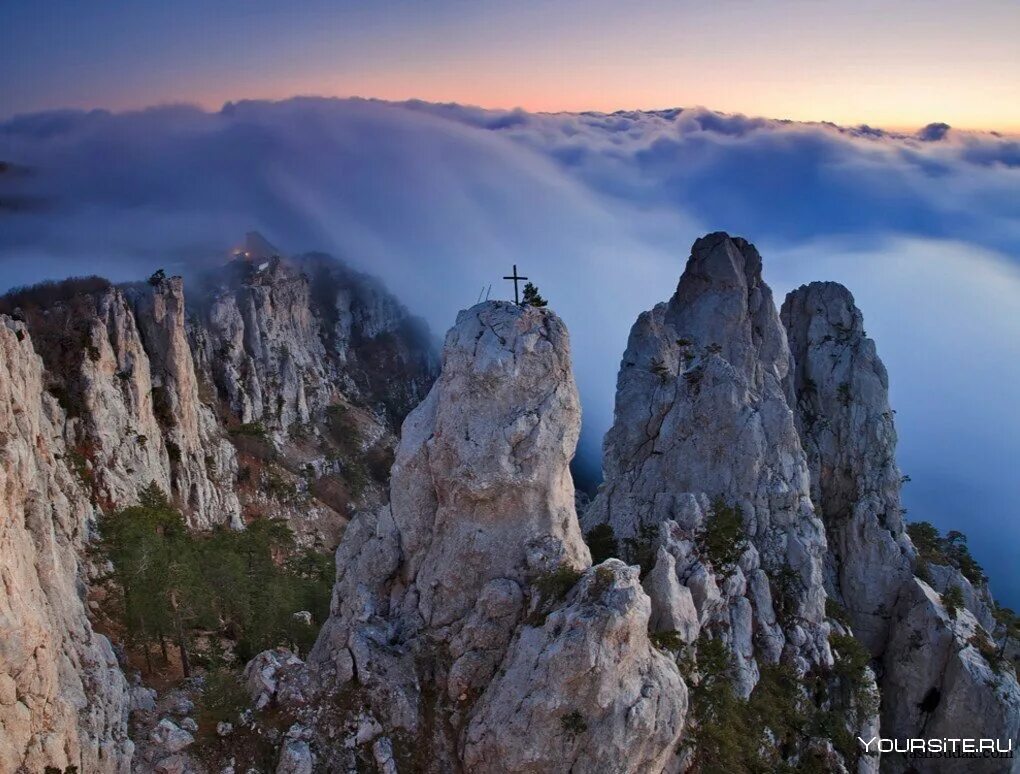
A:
x,y
516,279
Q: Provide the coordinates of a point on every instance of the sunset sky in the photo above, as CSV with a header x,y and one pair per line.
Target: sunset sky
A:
x,y
896,64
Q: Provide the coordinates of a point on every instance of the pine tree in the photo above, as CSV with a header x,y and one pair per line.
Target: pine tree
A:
x,y
532,297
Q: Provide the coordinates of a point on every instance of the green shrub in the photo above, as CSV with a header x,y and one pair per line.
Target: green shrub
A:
x,y
602,543
251,429
640,549
836,612
167,581
668,641
951,549
550,588
724,538
992,654
952,600
223,698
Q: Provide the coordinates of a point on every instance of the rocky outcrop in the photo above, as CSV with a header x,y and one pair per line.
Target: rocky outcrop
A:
x,y
63,699
282,338
940,672
475,580
703,436
203,463
944,679
846,426
104,391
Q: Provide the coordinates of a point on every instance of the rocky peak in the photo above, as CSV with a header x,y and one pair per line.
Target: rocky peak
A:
x,y
939,674
846,426
477,567
702,428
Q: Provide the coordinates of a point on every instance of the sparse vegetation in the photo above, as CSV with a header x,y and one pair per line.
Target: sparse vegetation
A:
x,y
780,719
952,600
167,582
724,538
640,548
251,429
668,641
550,588
223,699
989,651
836,612
843,394
532,296
573,723
602,543
951,549
660,369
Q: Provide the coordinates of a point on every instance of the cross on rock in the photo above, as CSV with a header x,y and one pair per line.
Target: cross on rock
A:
x,y
516,278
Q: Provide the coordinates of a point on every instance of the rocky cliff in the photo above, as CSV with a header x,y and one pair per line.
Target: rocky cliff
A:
x,y
941,671
468,622
702,429
771,604
62,694
751,469
268,394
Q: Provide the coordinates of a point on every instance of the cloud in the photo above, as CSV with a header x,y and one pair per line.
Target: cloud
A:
x,y
599,209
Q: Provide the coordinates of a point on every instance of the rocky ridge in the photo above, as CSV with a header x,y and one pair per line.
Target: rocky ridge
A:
x,y
105,389
751,487
939,671
62,693
725,406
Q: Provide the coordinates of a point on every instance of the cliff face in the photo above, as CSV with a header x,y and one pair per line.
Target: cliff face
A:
x,y
723,404
104,390
62,694
702,425
750,483
475,580
846,426
935,681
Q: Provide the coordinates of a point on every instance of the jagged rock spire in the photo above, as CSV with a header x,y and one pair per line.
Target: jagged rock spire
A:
x,y
479,557
846,427
702,416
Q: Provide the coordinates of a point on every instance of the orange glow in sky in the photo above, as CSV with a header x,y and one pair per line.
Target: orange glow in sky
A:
x,y
896,64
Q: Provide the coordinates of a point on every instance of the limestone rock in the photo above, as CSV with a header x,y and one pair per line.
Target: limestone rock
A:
x,y
703,424
481,538
937,683
171,737
296,758
63,699
673,607
172,764
202,459
142,699
583,691
262,674
846,426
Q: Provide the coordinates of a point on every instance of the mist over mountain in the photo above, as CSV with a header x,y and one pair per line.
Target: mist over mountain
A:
x,y
440,200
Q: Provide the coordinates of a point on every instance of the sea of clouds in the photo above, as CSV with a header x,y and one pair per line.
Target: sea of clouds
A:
x,y
600,210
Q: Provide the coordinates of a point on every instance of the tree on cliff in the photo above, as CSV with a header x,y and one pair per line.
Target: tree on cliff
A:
x,y
532,296
246,584
153,564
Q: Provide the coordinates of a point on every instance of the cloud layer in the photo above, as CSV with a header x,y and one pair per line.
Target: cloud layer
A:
x,y
600,209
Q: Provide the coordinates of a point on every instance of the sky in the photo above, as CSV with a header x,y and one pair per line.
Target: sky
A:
x,y
900,64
